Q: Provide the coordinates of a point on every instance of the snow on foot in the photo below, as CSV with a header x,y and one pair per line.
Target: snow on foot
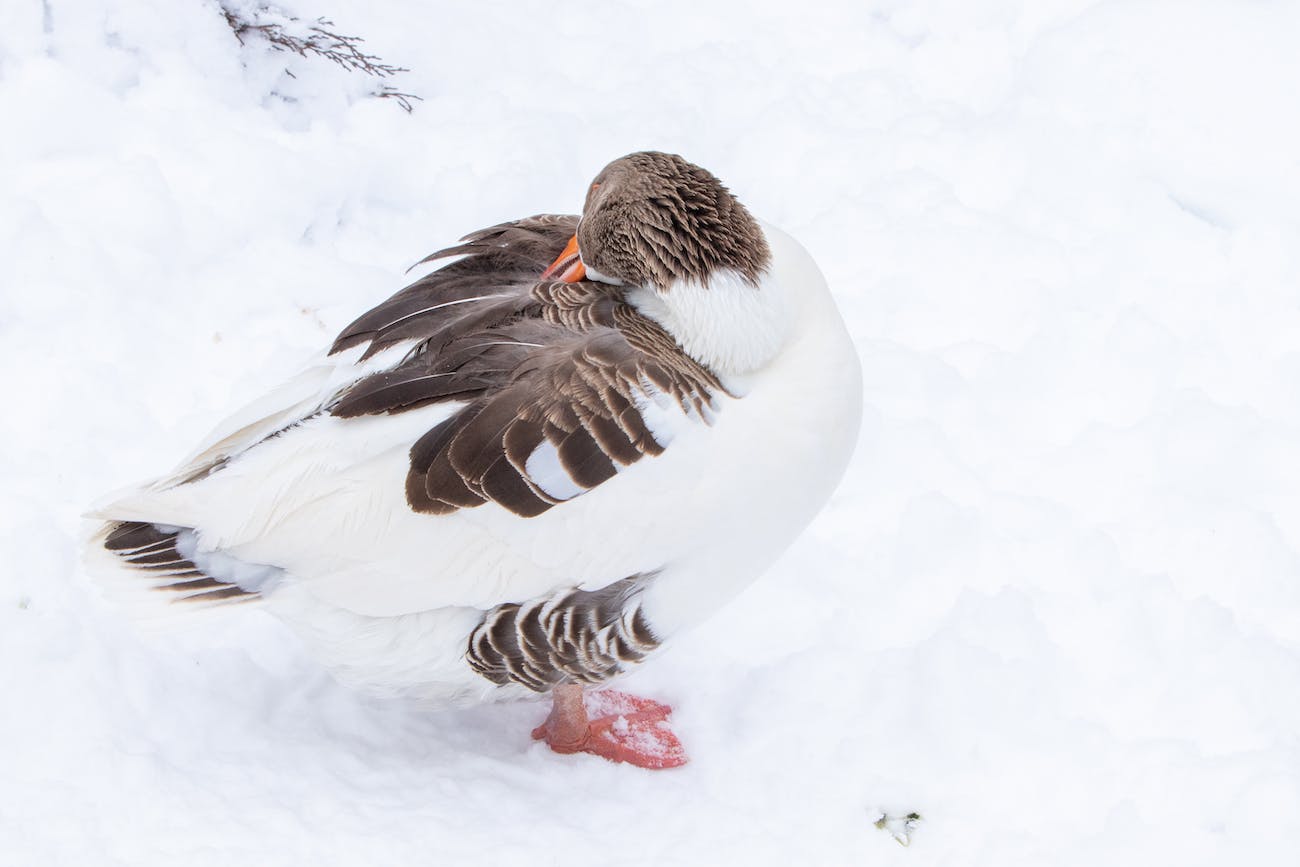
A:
x,y
621,728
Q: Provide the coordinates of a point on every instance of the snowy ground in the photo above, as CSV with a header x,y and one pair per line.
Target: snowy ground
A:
x,y
1055,606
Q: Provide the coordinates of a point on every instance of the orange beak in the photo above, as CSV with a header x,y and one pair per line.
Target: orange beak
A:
x,y
568,268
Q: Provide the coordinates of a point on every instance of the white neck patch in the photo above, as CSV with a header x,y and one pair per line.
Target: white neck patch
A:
x,y
730,325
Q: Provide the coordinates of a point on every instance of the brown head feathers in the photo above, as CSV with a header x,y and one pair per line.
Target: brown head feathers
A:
x,y
652,219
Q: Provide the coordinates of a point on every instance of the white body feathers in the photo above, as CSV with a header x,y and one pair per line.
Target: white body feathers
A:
x,y
387,596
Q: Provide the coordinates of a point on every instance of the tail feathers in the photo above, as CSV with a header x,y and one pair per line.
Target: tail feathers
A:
x,y
154,563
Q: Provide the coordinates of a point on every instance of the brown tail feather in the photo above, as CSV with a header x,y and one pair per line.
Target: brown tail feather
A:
x,y
152,550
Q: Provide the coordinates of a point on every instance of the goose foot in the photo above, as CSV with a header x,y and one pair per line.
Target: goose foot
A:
x,y
613,725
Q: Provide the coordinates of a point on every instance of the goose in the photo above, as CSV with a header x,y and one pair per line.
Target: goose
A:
x,y
529,469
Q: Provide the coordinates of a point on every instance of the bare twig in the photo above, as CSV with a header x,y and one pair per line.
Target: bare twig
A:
x,y
319,39
402,99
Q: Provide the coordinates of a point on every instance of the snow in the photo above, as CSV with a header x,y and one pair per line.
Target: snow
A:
x,y
1054,609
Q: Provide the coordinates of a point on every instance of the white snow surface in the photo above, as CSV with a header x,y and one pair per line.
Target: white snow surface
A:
x,y
1054,608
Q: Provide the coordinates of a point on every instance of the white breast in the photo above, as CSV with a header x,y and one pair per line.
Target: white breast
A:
x,y
772,457
730,325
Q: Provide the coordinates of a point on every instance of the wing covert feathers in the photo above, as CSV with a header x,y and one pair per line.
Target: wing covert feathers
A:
x,y
554,376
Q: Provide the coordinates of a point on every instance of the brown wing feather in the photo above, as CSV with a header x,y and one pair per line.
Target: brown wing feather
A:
x,y
503,260
536,365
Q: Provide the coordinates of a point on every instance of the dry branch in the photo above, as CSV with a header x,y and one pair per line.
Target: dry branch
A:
x,y
318,39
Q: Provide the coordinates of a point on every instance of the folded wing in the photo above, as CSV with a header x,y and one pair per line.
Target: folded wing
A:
x,y
477,387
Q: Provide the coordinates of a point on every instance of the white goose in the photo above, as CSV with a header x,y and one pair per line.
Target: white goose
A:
x,y
511,477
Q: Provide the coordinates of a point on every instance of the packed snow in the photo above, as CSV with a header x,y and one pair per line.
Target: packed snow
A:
x,y
1054,608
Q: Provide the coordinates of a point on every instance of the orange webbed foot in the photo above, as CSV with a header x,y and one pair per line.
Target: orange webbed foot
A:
x,y
613,725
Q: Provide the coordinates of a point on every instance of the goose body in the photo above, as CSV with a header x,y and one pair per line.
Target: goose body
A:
x,y
510,477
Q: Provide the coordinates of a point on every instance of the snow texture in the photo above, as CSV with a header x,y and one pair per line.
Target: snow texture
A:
x,y
1054,609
